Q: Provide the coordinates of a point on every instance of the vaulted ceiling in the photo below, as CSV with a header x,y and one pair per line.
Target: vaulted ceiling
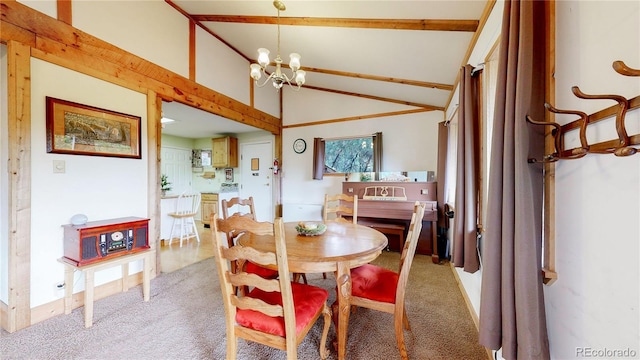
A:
x,y
405,52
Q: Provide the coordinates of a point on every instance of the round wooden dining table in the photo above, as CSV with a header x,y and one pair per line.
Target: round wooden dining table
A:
x,y
343,246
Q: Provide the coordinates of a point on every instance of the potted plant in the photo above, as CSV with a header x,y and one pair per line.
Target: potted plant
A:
x,y
165,185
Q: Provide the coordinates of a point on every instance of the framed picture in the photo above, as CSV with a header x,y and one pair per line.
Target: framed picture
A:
x,y
228,175
78,129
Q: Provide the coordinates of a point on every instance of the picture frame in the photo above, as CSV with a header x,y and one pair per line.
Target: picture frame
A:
x,y
78,129
228,175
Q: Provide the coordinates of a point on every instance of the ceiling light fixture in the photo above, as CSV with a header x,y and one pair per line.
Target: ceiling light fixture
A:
x,y
278,77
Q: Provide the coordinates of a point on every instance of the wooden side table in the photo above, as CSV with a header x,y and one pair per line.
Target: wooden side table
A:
x,y
147,256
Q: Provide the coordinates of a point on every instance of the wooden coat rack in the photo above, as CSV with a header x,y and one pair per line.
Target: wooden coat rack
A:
x,y
622,146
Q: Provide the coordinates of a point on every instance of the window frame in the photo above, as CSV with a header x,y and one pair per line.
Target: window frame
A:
x,y
319,154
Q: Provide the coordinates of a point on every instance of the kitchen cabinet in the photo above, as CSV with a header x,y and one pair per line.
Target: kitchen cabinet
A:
x,y
208,207
225,152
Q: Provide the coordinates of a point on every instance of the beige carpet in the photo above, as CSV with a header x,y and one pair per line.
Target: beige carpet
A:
x,y
185,320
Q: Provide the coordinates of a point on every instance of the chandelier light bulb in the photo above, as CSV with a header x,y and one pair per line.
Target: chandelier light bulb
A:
x,y
294,63
263,57
300,74
256,71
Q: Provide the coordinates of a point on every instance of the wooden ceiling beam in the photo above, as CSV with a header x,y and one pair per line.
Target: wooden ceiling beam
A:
x,y
360,117
372,97
389,24
426,84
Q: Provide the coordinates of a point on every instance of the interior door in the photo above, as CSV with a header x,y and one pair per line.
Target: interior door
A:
x,y
256,162
176,164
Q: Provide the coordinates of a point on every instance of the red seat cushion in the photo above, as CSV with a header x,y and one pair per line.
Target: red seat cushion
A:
x,y
252,268
374,283
307,300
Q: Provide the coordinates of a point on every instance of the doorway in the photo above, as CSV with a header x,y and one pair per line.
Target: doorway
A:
x,y
256,172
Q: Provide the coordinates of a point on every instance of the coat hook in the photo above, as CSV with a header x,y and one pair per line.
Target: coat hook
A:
x,y
556,133
623,149
584,146
622,68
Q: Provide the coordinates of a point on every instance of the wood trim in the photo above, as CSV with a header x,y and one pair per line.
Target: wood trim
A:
x,y
64,11
19,136
196,19
483,20
188,16
388,24
4,311
62,40
372,97
467,301
426,84
362,117
154,169
192,51
549,216
56,307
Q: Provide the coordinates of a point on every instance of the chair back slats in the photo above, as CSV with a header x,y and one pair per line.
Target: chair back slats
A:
x,y
241,225
251,254
245,207
256,315
249,303
188,204
409,250
248,279
339,205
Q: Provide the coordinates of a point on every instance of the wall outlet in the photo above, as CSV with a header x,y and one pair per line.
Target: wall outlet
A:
x,y
59,167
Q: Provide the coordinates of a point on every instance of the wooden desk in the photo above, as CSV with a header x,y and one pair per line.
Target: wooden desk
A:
x,y
342,247
147,257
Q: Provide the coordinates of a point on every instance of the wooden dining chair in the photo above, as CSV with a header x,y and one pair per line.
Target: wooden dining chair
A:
x,y
381,289
244,207
187,207
276,312
337,206
239,205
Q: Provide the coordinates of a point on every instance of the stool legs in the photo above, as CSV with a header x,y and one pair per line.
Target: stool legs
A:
x,y
186,224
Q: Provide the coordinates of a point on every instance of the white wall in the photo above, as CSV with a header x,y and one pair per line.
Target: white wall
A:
x,y
595,301
100,187
161,33
409,141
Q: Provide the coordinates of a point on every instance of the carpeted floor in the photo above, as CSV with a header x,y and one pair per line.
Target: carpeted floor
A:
x,y
185,320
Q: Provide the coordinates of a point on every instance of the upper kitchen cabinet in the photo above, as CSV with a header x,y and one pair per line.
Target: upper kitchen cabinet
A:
x,y
225,152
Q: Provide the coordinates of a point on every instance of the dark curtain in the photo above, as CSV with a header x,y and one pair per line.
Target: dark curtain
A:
x,y
377,154
465,224
512,313
318,158
443,145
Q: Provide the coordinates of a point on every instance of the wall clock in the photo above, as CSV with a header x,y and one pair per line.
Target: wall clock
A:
x,y
299,146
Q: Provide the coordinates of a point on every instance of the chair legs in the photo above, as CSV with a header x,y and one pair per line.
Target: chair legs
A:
x,y
183,222
401,322
326,313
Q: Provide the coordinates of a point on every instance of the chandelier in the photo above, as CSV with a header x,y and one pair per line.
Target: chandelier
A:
x,y
277,76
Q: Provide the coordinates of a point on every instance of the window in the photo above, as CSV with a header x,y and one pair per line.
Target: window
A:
x,y
347,155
